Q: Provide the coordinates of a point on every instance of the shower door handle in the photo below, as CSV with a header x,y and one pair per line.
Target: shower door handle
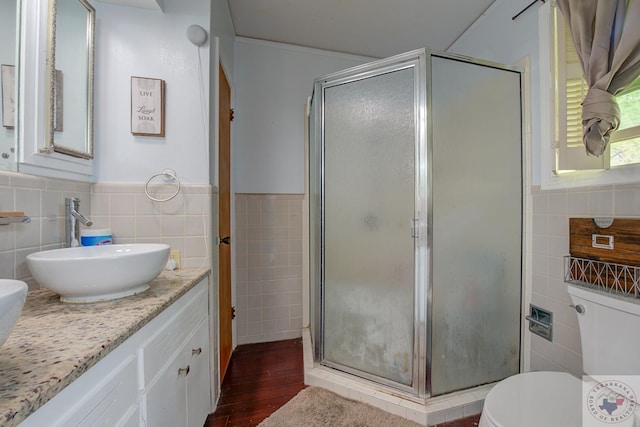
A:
x,y
226,240
415,228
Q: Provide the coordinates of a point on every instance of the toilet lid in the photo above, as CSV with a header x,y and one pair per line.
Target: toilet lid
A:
x,y
534,399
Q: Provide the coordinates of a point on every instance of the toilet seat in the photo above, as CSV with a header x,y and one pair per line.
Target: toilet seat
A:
x,y
534,399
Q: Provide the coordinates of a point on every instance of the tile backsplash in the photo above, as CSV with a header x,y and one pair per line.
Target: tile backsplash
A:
x,y
268,269
183,222
551,211
42,199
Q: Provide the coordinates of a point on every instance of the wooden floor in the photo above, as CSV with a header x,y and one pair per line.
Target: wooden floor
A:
x,y
263,377
259,380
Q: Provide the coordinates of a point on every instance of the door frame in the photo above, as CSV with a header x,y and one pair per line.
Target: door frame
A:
x,y
222,308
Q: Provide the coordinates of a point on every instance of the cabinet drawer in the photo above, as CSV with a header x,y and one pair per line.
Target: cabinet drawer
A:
x,y
106,395
163,344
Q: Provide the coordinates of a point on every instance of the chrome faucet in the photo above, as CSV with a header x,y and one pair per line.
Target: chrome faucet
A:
x,y
72,228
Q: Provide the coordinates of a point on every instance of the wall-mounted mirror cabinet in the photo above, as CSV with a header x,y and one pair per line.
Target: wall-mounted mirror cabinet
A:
x,y
55,108
8,84
69,84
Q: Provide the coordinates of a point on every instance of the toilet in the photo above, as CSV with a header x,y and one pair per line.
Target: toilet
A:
x,y
610,334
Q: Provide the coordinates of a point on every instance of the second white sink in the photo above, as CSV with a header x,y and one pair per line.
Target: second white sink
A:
x,y
13,294
98,273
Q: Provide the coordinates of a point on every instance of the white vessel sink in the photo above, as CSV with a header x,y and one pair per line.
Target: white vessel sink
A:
x,y
98,273
13,294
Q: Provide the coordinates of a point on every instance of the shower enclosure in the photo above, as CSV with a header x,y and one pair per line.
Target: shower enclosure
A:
x,y
416,222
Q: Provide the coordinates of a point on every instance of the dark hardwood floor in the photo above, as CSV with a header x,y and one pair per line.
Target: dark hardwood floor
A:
x,y
263,377
259,380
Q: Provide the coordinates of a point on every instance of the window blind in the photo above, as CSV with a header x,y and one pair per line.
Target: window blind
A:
x,y
570,92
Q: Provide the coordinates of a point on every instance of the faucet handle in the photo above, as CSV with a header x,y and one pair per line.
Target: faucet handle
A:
x,y
71,201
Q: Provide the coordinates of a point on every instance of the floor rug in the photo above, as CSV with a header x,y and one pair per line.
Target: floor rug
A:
x,y
317,407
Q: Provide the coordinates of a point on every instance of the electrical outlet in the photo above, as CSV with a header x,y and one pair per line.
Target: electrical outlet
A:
x,y
175,256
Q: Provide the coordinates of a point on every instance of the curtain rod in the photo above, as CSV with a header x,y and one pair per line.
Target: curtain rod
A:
x,y
526,8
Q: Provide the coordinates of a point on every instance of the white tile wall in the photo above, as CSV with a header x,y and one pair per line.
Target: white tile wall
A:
x,y
42,199
268,267
551,211
184,222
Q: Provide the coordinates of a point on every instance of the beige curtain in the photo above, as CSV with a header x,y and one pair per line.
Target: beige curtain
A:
x,y
606,34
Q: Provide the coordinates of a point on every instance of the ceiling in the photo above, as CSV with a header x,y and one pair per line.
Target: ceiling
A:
x,y
376,28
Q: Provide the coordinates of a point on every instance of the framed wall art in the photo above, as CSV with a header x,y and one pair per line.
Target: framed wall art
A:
x,y
8,77
147,106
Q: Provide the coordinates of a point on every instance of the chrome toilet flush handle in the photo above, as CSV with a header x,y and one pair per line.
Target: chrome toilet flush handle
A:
x,y
579,308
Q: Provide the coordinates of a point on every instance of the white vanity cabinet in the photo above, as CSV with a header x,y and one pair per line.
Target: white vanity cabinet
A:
x,y
160,376
171,379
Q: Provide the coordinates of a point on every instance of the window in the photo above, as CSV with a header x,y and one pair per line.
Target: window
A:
x,y
625,142
568,90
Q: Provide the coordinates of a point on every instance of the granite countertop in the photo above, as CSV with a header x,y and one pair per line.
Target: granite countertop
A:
x,y
54,342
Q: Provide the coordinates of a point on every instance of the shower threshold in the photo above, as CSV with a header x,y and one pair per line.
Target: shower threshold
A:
x,y
427,412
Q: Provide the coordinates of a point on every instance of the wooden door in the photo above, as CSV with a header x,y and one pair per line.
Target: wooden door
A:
x,y
224,218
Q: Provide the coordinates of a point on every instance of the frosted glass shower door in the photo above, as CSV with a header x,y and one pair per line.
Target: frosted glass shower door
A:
x,y
477,224
369,191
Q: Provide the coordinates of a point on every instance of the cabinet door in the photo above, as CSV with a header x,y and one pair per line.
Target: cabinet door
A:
x,y
166,398
198,382
132,420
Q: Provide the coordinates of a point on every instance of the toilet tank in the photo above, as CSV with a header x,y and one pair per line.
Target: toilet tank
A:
x,y
609,330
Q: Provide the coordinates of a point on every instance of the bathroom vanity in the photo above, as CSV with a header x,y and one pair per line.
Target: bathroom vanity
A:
x,y
136,361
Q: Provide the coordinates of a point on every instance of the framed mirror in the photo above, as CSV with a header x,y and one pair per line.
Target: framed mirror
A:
x,y
8,84
69,78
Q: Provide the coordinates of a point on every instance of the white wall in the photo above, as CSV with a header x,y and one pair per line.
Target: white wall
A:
x,y
271,83
222,27
139,42
496,37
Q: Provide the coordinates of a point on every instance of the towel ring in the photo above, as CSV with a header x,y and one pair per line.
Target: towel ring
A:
x,y
167,174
